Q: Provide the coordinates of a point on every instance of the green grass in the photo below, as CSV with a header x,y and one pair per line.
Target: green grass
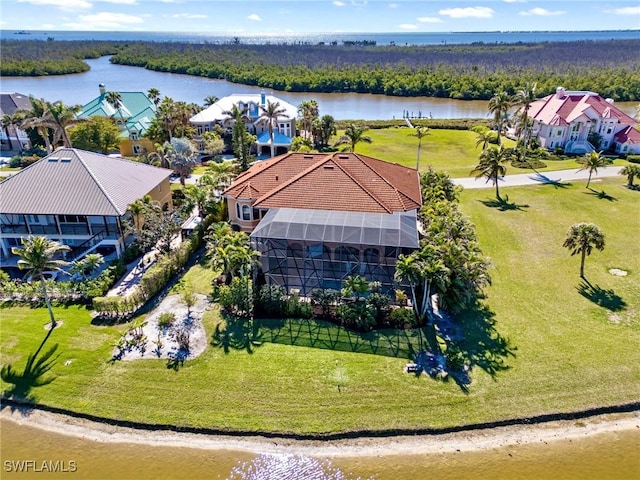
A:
x,y
450,151
572,351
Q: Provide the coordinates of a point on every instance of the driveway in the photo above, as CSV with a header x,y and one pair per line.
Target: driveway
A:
x,y
558,176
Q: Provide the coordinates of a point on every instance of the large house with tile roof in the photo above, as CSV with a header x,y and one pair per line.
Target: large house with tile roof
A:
x,y
77,198
133,117
319,218
218,114
12,138
570,119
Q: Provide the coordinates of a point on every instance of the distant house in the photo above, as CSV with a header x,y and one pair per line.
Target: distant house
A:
x,y
133,117
319,218
217,114
77,198
571,120
12,138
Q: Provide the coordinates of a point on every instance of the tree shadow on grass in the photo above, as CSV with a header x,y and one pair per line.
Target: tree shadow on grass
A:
x,y
601,297
601,194
33,375
543,179
470,340
236,333
503,204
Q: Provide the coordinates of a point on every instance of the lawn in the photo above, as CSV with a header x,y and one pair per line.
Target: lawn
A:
x,y
574,346
450,151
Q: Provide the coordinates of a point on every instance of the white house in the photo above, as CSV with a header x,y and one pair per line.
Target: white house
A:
x,y
218,114
570,119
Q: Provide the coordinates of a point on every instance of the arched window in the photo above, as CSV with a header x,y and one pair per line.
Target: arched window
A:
x,y
246,212
347,254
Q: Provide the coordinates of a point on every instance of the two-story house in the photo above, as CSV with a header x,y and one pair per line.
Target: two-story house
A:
x,y
133,116
318,218
77,198
12,138
256,124
571,120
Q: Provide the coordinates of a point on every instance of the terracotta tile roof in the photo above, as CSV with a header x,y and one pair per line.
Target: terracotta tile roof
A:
x,y
335,181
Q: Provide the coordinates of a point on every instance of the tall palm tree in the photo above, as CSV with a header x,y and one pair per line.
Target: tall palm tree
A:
x,y
162,156
154,95
499,106
491,165
37,256
61,117
582,238
115,100
523,100
9,123
592,162
308,111
420,133
484,137
352,136
183,159
270,113
38,119
323,129
210,100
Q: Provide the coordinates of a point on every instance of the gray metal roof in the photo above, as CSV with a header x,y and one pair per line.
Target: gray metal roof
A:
x,y
76,182
398,229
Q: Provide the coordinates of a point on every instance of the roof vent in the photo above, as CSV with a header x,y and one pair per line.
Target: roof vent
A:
x,y
307,156
328,166
65,159
609,101
53,159
343,157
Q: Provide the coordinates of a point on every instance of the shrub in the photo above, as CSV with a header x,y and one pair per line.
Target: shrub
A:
x,y
295,307
166,319
633,158
272,300
402,316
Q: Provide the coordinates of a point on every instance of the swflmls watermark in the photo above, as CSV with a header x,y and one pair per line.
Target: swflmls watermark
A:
x,y
40,466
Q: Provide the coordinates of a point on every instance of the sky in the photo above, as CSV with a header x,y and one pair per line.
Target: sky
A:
x,y
280,17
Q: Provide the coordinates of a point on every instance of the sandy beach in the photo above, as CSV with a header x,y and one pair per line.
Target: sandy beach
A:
x,y
473,440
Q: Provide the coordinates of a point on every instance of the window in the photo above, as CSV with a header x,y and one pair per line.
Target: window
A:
x,y
238,215
246,212
609,130
33,219
134,135
137,149
72,218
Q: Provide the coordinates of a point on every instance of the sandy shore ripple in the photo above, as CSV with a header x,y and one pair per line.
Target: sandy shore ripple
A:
x,y
419,444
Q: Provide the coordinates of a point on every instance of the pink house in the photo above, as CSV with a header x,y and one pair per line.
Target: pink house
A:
x,y
571,120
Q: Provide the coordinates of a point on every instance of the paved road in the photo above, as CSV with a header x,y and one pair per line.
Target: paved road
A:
x,y
558,176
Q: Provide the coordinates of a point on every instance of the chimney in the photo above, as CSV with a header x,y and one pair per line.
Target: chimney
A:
x,y
560,92
102,88
262,98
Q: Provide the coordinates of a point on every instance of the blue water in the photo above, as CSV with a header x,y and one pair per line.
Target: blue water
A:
x,y
399,38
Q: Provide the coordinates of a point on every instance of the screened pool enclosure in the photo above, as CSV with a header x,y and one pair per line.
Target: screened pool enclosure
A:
x,y
306,249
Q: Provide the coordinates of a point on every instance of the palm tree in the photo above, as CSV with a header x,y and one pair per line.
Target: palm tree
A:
x,y
162,156
9,121
523,100
631,172
210,100
308,111
37,256
352,136
582,238
38,118
491,165
115,100
499,106
484,138
270,113
154,95
61,117
420,133
592,162
183,159
323,129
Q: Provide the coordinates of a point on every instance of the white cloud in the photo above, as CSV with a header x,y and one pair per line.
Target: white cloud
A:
x,y
408,26
104,21
338,3
188,15
254,17
429,20
62,4
542,12
625,11
393,5
122,2
473,12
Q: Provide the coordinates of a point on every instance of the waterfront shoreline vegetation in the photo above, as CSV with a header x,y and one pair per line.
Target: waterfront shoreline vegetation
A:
x,y
458,71
576,344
